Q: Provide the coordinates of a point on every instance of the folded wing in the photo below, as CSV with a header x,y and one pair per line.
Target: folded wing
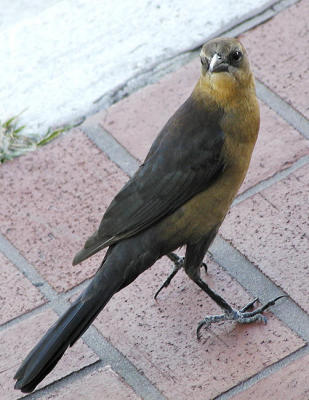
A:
x,y
183,161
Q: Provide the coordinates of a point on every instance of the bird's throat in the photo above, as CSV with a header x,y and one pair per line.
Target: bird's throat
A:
x,y
224,88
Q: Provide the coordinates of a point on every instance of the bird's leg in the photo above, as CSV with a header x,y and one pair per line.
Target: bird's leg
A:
x,y
178,264
243,316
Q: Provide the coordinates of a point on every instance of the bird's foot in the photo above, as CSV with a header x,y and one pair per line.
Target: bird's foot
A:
x,y
242,316
178,264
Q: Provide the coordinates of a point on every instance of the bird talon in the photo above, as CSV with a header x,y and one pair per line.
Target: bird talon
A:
x,y
200,326
204,265
241,316
249,305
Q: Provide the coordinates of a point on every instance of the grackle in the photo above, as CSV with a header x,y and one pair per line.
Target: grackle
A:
x,y
179,196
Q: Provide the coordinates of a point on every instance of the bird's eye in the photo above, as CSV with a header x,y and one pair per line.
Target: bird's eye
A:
x,y
235,56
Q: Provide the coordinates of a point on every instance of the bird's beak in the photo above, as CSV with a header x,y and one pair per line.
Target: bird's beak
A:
x,y
218,64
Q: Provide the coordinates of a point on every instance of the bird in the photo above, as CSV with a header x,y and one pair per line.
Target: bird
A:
x,y
178,197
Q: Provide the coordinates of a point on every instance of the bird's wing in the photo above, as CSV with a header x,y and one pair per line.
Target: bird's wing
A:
x,y
183,161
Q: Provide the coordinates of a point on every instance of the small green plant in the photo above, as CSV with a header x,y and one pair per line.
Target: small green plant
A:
x,y
14,143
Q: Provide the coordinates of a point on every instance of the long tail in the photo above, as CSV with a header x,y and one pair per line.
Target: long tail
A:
x,y
116,271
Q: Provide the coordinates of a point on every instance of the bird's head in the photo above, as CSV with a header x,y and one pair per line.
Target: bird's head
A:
x,y
225,68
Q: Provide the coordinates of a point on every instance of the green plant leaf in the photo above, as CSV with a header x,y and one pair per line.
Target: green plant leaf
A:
x,y
14,143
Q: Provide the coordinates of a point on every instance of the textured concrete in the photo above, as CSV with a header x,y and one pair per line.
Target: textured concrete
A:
x,y
58,62
18,295
136,121
101,384
271,229
279,54
289,383
18,339
13,12
160,339
52,197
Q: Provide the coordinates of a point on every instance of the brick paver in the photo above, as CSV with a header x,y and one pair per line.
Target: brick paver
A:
x,y
17,340
54,200
290,383
103,383
272,230
51,200
17,295
160,337
136,121
279,52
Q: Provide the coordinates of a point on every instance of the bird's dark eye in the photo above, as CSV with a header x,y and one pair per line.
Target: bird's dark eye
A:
x,y
235,56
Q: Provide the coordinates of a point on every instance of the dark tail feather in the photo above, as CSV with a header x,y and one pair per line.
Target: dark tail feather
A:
x,y
69,327
122,264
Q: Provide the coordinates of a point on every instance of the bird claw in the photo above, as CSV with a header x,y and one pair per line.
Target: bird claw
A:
x,y
242,316
204,265
249,306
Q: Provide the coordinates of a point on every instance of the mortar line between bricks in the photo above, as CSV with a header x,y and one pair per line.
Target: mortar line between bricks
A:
x,y
11,252
95,341
170,64
259,285
62,382
109,145
258,18
43,307
282,108
228,257
32,275
271,369
277,177
129,164
27,314
267,371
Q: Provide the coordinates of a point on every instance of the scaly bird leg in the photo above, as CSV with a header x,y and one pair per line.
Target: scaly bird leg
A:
x,y
194,255
242,316
178,264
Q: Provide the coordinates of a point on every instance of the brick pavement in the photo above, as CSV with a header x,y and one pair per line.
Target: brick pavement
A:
x,y
139,348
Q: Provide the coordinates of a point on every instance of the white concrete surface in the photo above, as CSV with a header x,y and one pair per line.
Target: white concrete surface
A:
x,y
58,57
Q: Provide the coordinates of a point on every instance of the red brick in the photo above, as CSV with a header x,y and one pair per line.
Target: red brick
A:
x,y
18,340
277,147
54,199
136,120
160,337
272,229
290,383
17,295
101,384
279,52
